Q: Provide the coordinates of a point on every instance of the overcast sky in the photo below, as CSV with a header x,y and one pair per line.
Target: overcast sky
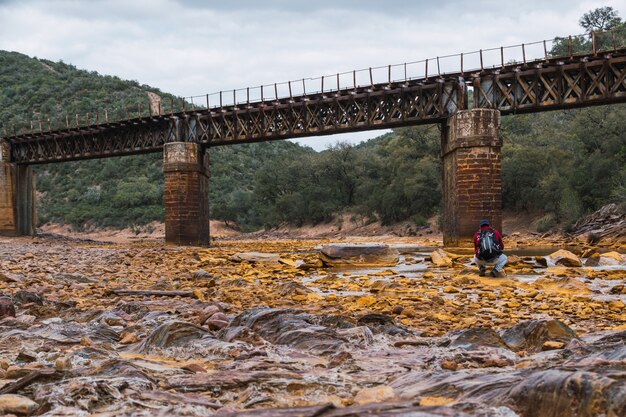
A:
x,y
194,47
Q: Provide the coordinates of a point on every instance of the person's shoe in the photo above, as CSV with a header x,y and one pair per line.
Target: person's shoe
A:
x,y
482,272
497,274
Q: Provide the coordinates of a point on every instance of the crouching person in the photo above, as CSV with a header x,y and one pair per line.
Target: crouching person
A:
x,y
488,247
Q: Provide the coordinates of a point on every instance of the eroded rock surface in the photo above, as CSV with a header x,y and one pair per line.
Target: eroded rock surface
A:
x,y
208,333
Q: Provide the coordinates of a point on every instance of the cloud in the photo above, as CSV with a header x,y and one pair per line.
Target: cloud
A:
x,y
194,47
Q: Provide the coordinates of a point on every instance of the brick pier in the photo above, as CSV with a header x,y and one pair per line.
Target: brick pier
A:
x,y
472,184
17,197
186,199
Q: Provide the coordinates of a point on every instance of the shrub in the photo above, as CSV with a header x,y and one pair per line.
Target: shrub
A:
x,y
546,223
420,220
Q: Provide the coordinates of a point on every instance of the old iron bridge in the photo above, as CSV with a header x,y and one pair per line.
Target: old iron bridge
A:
x,y
385,97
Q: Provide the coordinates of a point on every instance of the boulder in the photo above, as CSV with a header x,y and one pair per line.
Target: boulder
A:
x,y
567,392
217,321
618,289
381,323
593,260
441,258
531,335
358,254
170,334
7,309
254,257
605,259
565,258
475,338
201,274
16,404
26,297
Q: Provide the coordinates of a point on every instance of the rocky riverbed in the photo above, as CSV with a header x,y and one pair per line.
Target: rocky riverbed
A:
x,y
309,328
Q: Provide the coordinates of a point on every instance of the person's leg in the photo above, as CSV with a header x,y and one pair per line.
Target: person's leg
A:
x,y
500,262
481,266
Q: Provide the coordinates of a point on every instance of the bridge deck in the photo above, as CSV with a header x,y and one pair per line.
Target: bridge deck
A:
x,y
540,85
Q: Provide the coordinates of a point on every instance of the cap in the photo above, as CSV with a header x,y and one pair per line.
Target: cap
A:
x,y
484,222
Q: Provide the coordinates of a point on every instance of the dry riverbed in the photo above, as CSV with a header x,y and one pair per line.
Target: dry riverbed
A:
x,y
269,328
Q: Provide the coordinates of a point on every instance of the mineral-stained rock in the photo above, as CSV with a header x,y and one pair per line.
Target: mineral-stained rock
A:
x,y
24,297
531,335
618,289
568,393
475,338
606,259
7,309
565,258
608,348
294,288
174,333
217,321
557,284
254,257
374,394
552,345
381,323
593,260
382,409
208,311
201,274
228,379
178,398
290,327
440,258
358,254
17,404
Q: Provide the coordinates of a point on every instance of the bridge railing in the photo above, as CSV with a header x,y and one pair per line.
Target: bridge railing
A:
x,y
447,65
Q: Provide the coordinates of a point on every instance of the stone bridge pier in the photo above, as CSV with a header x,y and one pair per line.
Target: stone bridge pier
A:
x,y
17,196
186,193
472,184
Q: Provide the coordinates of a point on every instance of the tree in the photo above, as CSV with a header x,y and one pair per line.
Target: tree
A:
x,y
602,18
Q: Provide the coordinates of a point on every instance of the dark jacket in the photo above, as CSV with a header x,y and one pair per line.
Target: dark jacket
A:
x,y
495,232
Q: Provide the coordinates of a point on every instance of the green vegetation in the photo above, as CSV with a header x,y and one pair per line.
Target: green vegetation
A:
x,y
559,165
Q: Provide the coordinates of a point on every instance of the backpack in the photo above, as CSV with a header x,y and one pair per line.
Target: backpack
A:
x,y
488,246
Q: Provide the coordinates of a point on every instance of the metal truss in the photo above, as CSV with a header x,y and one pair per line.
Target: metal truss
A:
x,y
382,106
584,81
128,138
519,87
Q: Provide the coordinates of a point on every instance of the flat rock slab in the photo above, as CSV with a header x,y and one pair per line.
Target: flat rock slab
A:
x,y
255,257
369,254
230,379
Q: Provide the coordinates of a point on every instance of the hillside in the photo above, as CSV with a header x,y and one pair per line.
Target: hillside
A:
x,y
557,166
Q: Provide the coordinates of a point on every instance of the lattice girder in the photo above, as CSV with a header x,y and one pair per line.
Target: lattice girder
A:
x,y
531,87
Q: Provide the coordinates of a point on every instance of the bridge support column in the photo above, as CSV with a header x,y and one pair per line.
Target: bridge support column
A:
x,y
472,184
17,197
186,194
